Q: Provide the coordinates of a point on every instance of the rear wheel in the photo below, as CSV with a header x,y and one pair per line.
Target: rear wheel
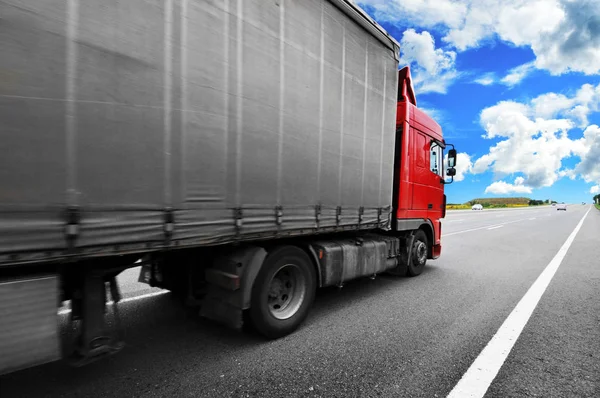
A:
x,y
419,250
283,292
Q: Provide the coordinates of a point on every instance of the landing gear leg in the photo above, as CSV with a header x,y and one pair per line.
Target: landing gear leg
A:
x,y
89,305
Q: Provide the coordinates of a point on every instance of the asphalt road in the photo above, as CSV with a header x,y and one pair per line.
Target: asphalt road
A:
x,y
400,337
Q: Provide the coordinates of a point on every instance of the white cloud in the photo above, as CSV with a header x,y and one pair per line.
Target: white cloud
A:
x,y
595,189
503,188
421,12
433,68
534,140
563,34
570,174
585,101
486,79
532,147
551,104
589,150
574,45
517,74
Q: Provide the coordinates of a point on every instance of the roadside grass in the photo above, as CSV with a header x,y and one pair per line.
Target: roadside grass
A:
x,y
457,207
468,207
498,203
597,206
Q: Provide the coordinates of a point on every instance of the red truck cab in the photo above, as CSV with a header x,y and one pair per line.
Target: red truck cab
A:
x,y
419,189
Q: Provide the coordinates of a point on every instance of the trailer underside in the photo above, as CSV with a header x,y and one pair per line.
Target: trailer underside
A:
x,y
269,284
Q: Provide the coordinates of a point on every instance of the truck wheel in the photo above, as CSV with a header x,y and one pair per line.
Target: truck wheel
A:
x,y
419,254
283,292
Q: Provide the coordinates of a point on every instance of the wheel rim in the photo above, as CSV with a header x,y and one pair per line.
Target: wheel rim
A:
x,y
287,289
420,252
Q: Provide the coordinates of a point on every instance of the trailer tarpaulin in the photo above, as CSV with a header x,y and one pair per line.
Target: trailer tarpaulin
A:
x,y
152,123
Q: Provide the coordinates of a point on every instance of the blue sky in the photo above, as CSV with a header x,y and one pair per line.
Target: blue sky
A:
x,y
515,84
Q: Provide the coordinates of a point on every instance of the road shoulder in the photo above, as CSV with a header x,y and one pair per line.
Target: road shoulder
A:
x,y
558,353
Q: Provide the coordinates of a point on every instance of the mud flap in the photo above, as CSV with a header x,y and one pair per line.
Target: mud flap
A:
x,y
225,302
405,256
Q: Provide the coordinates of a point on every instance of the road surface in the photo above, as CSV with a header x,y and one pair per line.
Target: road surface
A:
x,y
388,337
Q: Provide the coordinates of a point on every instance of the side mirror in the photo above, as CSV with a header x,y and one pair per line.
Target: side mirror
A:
x,y
451,158
451,172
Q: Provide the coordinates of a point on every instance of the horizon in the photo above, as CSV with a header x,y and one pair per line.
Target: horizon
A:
x,y
482,199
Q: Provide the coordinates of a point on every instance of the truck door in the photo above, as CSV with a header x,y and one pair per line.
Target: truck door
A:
x,y
421,173
428,169
435,189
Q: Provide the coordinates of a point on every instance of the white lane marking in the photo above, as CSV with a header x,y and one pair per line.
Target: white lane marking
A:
x,y
478,378
484,227
497,226
125,300
532,218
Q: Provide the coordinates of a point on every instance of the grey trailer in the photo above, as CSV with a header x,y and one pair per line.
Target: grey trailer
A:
x,y
229,146
129,126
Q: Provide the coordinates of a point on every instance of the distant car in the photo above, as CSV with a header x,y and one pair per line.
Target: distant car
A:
x,y
582,203
554,204
561,206
477,207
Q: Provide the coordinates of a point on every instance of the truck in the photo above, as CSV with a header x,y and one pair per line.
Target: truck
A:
x,y
243,153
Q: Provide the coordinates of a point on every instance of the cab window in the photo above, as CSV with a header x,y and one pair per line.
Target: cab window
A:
x,y
435,159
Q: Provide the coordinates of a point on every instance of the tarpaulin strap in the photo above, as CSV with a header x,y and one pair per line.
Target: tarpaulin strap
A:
x,y
73,217
169,226
237,215
318,214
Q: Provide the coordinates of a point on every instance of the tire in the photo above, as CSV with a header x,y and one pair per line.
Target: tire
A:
x,y
418,257
283,292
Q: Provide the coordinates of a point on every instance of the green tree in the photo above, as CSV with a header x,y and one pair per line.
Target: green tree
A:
x,y
535,202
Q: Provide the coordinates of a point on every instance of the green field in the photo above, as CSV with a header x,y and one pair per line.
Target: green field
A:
x,y
597,207
497,203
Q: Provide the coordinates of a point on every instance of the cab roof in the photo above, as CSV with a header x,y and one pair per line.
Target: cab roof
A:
x,y
417,118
